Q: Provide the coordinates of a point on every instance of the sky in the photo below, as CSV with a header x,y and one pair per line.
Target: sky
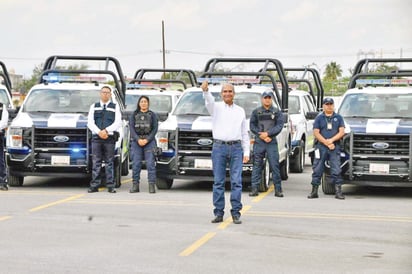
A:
x,y
297,33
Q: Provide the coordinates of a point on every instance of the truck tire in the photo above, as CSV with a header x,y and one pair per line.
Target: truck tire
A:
x,y
163,183
327,186
284,169
15,180
125,167
297,165
117,173
265,180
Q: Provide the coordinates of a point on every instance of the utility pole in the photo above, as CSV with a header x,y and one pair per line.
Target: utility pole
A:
x,y
163,43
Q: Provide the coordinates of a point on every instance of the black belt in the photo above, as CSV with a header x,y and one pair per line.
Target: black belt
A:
x,y
217,141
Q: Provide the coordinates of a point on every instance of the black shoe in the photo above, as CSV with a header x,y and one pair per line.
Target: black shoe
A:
x,y
135,188
338,192
254,192
217,219
236,220
278,193
111,190
4,187
93,189
152,188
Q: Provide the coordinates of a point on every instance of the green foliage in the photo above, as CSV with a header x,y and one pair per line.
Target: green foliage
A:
x,y
332,72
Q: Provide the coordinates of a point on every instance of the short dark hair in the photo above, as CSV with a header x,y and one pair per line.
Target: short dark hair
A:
x,y
108,87
140,99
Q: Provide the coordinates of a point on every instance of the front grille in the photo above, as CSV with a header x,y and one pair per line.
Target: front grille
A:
x,y
44,138
398,145
188,141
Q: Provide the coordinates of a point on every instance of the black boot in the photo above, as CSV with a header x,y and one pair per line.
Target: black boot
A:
x,y
254,191
135,188
278,192
314,193
152,188
338,192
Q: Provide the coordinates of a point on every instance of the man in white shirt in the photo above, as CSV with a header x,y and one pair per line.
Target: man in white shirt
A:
x,y
104,121
231,147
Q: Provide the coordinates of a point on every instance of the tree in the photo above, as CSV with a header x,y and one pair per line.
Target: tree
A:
x,y
332,72
26,84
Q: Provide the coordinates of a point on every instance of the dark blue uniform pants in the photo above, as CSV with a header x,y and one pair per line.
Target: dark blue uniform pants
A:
x,y
137,157
103,150
319,165
260,150
3,174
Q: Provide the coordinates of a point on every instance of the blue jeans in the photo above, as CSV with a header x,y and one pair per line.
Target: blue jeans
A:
x,y
223,155
319,165
138,154
260,149
102,150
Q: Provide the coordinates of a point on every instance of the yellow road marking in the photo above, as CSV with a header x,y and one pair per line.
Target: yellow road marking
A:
x,y
308,215
3,218
56,202
228,221
134,202
263,195
192,248
205,238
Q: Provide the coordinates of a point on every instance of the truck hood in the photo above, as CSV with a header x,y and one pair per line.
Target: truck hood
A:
x,y
369,125
63,120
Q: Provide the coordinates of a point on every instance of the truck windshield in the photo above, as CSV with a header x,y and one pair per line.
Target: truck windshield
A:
x,y
192,103
377,106
61,101
4,98
158,103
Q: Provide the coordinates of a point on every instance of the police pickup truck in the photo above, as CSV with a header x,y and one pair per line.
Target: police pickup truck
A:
x,y
49,136
377,109
162,92
185,138
5,91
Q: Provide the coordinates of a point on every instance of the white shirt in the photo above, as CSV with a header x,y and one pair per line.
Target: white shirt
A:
x,y
228,122
113,127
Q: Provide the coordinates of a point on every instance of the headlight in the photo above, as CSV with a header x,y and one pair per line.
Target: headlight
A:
x,y
163,140
15,137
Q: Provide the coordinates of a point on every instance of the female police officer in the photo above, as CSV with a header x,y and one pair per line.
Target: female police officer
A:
x,y
143,128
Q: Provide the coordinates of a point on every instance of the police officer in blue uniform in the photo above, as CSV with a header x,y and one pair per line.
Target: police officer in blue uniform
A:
x,y
4,118
266,123
104,121
143,128
328,129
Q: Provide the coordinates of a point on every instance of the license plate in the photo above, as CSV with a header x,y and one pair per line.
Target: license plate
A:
x,y
379,168
60,160
203,163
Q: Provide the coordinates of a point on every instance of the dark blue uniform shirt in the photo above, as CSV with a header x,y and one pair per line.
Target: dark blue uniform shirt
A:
x,y
321,123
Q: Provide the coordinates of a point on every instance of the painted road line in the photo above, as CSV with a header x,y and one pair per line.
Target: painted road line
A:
x,y
192,248
205,238
3,218
308,215
108,201
57,202
263,195
228,221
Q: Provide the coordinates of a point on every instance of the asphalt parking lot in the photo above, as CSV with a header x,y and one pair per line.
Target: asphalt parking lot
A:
x,y
54,226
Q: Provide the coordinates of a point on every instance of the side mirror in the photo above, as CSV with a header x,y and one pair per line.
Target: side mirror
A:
x,y
311,115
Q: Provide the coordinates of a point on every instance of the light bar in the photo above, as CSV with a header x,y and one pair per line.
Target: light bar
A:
x,y
53,78
384,81
131,86
222,80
